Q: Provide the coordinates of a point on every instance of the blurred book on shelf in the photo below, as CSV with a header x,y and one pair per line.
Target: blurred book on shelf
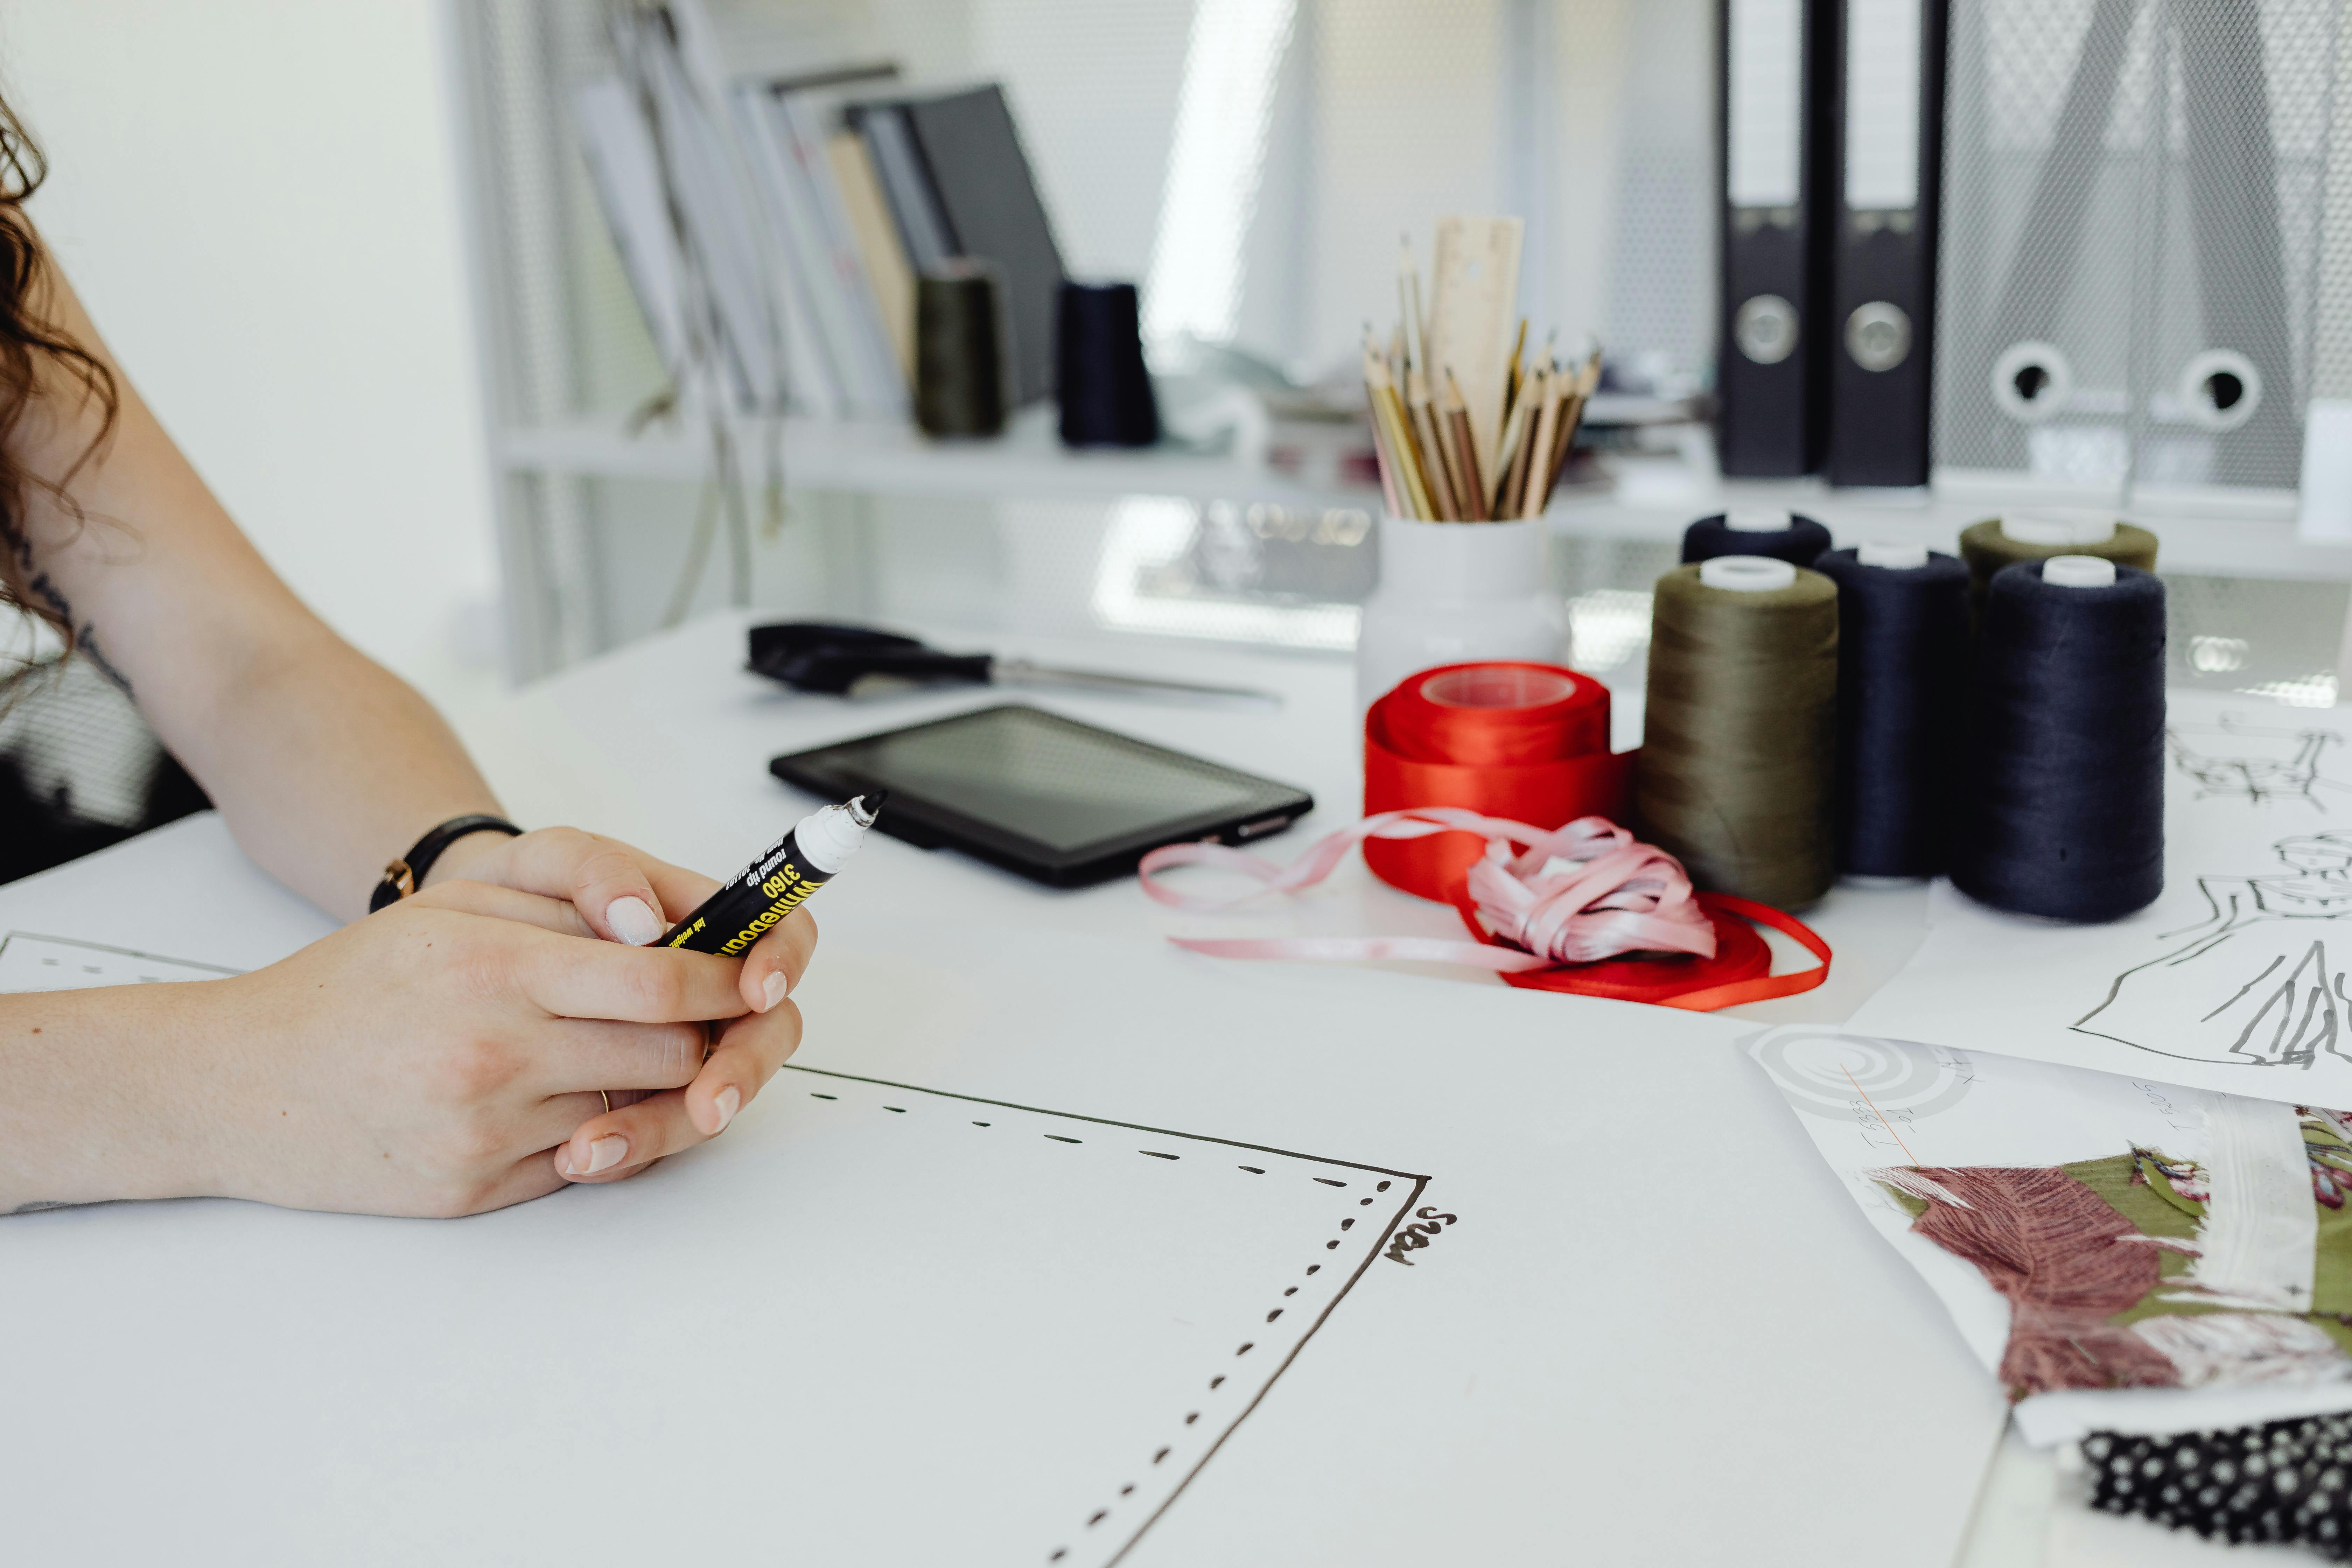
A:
x,y
788,216
829,290
667,180
624,172
888,269
956,179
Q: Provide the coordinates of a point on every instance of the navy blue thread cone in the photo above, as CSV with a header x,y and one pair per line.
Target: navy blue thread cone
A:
x,y
1105,391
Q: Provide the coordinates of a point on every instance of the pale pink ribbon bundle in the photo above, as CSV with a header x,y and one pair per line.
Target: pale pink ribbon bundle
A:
x,y
1619,896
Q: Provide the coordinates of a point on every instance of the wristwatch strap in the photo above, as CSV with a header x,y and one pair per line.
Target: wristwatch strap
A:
x,y
403,876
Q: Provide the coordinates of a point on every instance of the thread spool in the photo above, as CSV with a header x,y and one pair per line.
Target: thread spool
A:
x,y
963,349
1105,391
1736,771
2063,814
2002,541
1773,531
1508,738
1903,629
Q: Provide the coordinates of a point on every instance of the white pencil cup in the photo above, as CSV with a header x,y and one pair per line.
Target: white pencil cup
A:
x,y
1451,593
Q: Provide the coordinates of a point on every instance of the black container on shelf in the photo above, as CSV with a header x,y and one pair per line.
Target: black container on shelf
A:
x,y
1105,391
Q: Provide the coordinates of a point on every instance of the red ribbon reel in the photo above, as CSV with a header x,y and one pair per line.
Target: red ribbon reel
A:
x,y
1530,742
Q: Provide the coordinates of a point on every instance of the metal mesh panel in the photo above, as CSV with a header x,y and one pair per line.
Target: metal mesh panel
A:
x,y
1661,310
2137,229
80,769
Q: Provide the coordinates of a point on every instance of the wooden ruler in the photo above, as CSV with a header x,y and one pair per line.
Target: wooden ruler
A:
x,y
1474,310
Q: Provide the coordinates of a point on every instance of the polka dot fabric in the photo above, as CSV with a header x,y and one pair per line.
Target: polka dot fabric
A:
x,y
2288,1482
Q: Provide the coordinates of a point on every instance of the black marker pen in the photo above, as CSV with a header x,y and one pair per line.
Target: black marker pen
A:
x,y
778,879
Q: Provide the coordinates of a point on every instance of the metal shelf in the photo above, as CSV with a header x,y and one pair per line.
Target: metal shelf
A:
x,y
1656,497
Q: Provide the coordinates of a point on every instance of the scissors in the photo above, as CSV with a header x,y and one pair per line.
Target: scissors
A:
x,y
860,662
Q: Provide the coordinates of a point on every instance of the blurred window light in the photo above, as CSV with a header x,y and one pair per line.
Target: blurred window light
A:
x,y
2217,655
2314,691
1223,114
1606,627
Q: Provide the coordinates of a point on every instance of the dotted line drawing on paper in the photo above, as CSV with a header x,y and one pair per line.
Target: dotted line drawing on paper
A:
x,y
1366,1206
30,962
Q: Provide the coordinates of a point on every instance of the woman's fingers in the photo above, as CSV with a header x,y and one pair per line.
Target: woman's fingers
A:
x,y
777,960
488,898
525,1179
611,883
609,1146
625,1140
635,984
592,1053
745,1055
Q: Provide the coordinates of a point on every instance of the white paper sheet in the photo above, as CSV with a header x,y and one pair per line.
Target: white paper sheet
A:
x,y
1874,1105
1066,1317
2233,980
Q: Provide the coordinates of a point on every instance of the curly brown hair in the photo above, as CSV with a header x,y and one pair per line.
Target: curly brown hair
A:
x,y
29,346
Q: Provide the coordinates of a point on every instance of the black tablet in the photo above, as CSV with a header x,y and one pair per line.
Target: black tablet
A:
x,y
1051,798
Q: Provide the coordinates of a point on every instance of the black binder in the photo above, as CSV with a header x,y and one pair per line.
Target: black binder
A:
x,y
1889,105
1772,67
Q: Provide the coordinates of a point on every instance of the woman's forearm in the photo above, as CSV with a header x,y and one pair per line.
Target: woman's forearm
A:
x,y
88,1110
326,765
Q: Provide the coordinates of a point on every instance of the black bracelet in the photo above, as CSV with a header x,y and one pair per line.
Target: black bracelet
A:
x,y
406,875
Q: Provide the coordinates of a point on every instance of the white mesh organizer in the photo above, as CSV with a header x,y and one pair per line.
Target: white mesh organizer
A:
x,y
2147,265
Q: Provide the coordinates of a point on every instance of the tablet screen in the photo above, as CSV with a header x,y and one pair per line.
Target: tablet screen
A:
x,y
1049,779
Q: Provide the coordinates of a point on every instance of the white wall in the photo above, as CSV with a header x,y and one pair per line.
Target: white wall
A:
x,y
258,200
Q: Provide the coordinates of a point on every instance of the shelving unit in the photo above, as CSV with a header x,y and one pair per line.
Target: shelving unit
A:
x,y
1298,244
595,520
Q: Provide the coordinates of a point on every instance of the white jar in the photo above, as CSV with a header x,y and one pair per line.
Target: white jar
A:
x,y
1453,592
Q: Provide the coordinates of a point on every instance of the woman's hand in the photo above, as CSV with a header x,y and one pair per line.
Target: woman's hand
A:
x,y
439,1057
611,890
624,894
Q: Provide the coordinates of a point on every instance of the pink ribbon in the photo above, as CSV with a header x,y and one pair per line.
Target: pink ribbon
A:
x,y
1617,895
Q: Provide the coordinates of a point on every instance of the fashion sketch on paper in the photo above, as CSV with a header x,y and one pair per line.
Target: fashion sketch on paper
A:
x,y
2261,980
2288,775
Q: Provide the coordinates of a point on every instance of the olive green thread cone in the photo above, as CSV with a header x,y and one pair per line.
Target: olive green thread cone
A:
x,y
1987,550
1740,746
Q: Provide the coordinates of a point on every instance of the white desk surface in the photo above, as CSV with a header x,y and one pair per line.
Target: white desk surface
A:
x,y
634,746
1740,1372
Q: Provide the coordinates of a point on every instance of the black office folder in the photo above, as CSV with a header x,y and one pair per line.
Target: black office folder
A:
x,y
1773,65
1889,107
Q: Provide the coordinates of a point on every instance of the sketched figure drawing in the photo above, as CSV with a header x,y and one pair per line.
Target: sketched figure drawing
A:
x,y
2261,980
2286,776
